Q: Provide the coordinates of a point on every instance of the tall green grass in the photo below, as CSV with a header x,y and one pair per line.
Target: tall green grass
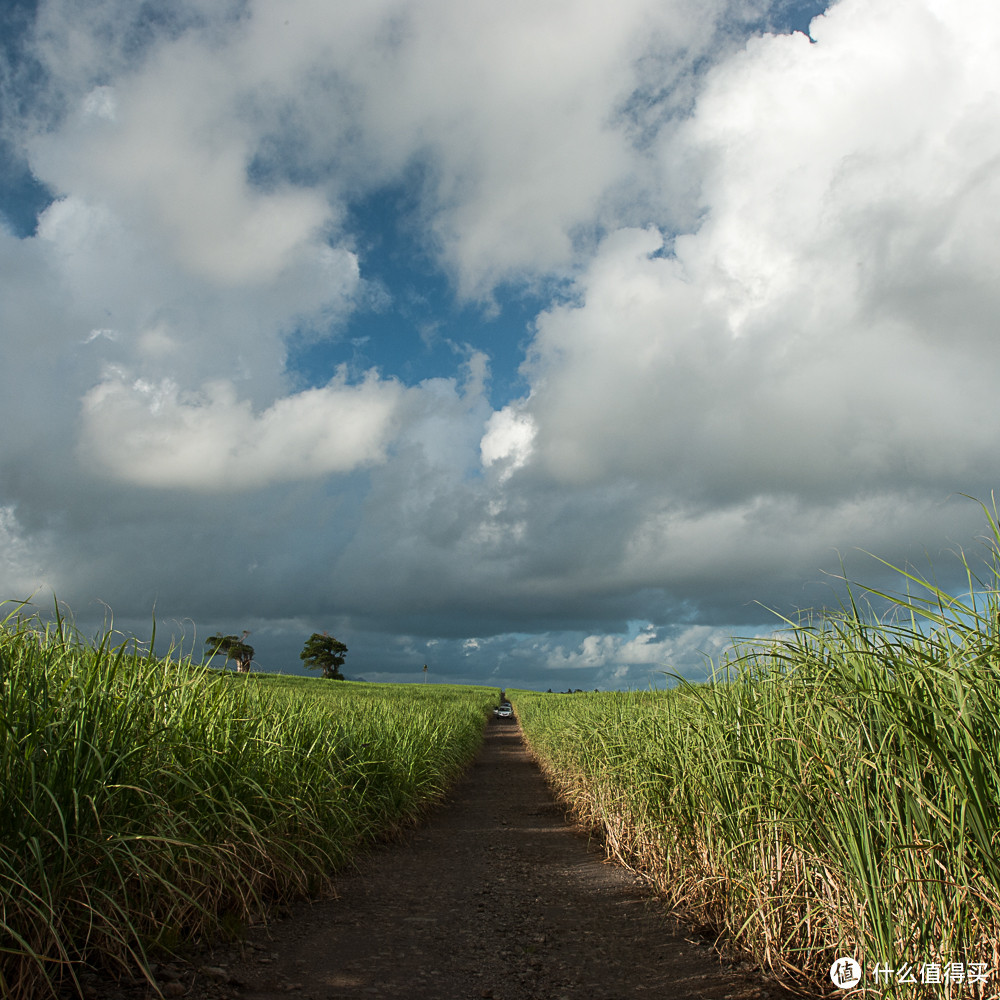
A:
x,y
835,791
147,802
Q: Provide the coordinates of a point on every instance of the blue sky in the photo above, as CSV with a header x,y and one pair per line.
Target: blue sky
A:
x,y
548,345
408,322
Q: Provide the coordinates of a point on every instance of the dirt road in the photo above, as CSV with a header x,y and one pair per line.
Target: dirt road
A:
x,y
495,896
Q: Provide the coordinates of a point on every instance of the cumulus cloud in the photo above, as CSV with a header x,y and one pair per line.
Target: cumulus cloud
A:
x,y
642,651
23,560
157,151
104,272
521,120
508,440
153,435
811,344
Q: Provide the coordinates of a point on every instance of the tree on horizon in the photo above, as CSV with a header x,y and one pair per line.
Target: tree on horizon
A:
x,y
235,647
323,652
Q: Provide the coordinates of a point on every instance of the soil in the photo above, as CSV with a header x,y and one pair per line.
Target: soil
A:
x,y
495,896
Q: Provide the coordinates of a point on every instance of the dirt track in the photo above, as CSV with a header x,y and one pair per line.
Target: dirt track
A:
x,y
495,896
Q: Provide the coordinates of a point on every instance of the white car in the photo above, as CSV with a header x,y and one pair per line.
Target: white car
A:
x,y
503,711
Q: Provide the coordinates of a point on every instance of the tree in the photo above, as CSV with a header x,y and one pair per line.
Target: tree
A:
x,y
323,652
235,648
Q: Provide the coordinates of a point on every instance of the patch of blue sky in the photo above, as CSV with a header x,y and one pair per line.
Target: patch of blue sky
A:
x,y
409,323
22,196
786,16
415,333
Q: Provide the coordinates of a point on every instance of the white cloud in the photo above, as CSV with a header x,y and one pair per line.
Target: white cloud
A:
x,y
520,118
821,330
154,435
25,563
104,271
101,102
161,152
642,655
508,439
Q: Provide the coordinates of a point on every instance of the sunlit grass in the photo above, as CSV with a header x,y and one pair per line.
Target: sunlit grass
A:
x,y
148,802
835,791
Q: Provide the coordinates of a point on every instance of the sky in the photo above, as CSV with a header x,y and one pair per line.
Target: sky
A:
x,y
550,345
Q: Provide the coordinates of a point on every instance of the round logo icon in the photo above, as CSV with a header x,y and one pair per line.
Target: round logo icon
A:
x,y
845,973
